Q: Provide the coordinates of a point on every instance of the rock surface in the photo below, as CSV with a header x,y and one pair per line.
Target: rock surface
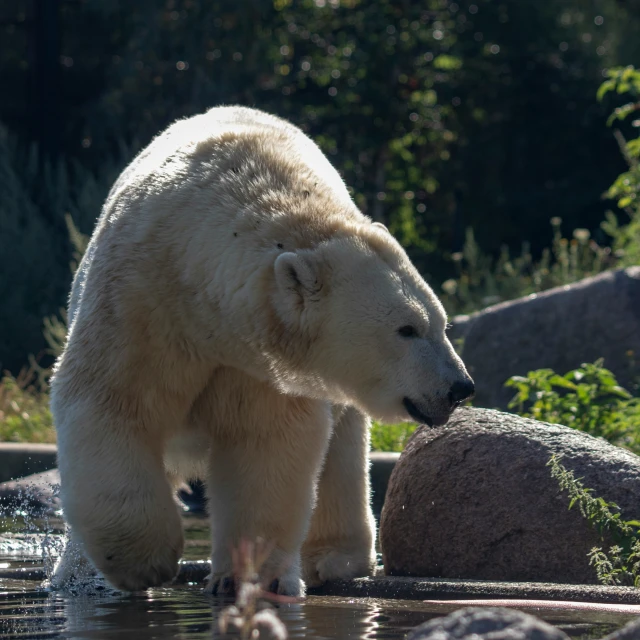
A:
x,y
475,500
560,329
491,623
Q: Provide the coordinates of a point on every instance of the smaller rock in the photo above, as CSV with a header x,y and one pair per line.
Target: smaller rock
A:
x,y
475,623
630,631
476,500
35,495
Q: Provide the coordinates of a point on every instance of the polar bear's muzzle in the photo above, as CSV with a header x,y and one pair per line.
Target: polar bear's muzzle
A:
x,y
416,414
459,392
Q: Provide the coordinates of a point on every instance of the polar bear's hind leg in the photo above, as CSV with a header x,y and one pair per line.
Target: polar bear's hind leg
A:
x,y
341,540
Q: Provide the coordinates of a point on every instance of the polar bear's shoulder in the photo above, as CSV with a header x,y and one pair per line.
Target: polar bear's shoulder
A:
x,y
208,144
275,144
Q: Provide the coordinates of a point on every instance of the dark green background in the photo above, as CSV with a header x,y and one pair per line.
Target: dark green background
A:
x,y
440,115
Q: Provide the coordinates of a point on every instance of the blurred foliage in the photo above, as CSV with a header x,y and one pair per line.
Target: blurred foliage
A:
x,y
482,280
440,115
24,409
588,399
391,437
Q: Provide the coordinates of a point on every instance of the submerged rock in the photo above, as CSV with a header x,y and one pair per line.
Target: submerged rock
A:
x,y
476,500
494,623
630,631
559,329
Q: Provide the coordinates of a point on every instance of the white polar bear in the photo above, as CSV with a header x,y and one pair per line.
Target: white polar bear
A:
x,y
236,318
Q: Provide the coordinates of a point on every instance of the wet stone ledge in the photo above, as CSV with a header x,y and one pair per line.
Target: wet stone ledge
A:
x,y
406,588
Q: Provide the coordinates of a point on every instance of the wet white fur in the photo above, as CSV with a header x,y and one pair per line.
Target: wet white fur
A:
x,y
235,318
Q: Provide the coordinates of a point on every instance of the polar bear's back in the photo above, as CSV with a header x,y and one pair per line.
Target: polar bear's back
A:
x,y
231,165
203,135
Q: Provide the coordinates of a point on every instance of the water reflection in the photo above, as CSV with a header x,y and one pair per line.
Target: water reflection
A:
x,y
184,613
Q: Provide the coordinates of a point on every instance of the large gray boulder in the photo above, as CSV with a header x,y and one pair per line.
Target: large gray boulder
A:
x,y
491,623
476,500
560,329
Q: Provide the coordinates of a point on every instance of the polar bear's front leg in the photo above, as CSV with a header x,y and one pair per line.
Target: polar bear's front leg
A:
x,y
262,484
117,499
341,540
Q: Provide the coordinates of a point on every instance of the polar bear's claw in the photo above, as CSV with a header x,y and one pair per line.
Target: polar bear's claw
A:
x,y
220,586
226,586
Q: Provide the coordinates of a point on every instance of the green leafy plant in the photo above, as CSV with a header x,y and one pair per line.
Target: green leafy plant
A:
x,y
621,564
588,398
626,188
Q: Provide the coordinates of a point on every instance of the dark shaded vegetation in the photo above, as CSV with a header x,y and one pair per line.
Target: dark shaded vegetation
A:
x,y
443,117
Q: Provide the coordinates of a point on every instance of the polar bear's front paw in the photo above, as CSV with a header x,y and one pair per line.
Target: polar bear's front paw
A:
x,y
138,576
137,565
336,564
289,586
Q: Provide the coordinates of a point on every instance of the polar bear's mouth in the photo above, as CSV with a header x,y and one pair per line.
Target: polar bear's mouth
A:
x,y
416,414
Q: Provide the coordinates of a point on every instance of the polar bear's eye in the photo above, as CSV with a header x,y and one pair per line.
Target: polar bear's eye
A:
x,y
408,331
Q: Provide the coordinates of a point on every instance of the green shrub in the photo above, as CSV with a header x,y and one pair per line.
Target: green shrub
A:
x,y
587,398
621,565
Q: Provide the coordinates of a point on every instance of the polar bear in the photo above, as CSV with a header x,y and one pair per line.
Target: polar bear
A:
x,y
236,318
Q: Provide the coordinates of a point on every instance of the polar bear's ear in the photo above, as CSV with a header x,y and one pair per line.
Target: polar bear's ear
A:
x,y
297,277
381,226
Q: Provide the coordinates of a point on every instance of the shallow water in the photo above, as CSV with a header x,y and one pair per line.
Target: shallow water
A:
x,y
185,612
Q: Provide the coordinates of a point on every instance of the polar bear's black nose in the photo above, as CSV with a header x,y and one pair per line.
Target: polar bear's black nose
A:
x,y
460,391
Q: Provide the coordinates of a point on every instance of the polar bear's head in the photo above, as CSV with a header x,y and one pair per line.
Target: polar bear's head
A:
x,y
370,328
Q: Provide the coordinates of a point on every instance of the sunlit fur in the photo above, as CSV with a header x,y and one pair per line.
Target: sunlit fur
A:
x,y
232,311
